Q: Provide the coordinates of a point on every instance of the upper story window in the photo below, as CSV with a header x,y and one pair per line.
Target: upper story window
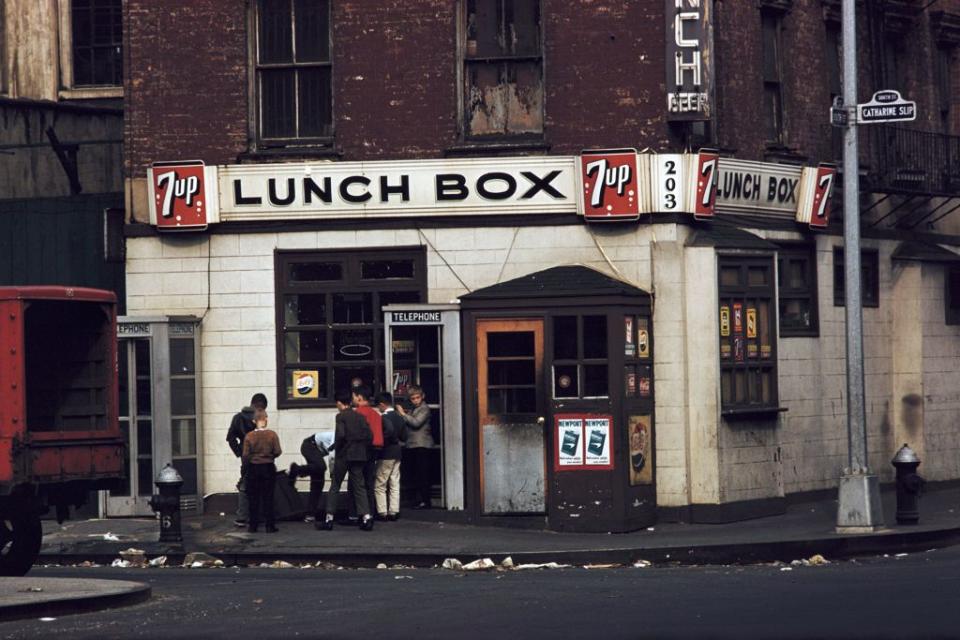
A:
x,y
772,52
91,48
945,71
293,72
869,277
502,54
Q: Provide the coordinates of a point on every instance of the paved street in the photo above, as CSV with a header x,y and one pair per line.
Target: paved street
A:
x,y
912,596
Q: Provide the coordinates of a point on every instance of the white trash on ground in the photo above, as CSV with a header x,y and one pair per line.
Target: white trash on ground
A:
x,y
482,564
452,564
642,564
159,561
507,563
544,565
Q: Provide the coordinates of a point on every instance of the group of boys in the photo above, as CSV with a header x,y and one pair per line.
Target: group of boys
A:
x,y
368,442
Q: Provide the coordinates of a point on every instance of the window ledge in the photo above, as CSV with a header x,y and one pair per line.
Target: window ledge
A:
x,y
496,147
290,153
91,93
752,413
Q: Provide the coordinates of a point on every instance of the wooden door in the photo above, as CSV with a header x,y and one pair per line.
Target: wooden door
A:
x,y
512,433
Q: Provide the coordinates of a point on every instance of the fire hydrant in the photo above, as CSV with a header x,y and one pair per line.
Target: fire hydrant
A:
x,y
909,485
167,504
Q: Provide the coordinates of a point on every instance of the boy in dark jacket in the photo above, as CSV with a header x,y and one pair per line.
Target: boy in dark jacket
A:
x,y
387,488
351,441
313,451
260,448
240,426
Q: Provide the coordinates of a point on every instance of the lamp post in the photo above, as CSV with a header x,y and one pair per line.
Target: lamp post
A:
x,y
859,508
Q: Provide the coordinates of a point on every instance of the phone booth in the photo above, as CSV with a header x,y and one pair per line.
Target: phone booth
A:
x,y
422,347
159,410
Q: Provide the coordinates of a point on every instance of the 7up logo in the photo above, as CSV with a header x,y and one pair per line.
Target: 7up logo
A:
x,y
178,198
610,185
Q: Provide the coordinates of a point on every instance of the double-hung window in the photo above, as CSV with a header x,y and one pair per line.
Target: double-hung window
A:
x,y
91,48
502,53
797,290
771,26
748,358
293,72
869,278
330,318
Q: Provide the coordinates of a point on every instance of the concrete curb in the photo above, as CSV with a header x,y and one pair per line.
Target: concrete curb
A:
x,y
835,547
115,593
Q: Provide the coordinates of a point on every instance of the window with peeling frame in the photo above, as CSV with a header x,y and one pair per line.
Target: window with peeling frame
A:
x,y
329,312
502,69
293,72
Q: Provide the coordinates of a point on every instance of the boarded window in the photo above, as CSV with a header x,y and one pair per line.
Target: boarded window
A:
x,y
503,68
97,37
293,71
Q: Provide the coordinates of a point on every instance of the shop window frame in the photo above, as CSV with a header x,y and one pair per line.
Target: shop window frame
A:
x,y
297,142
350,282
951,294
807,254
581,360
745,293
70,88
869,278
508,60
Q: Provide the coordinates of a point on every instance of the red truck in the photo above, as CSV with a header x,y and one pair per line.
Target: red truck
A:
x,y
59,433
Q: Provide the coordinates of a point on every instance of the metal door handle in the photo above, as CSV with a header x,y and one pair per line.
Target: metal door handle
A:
x,y
541,421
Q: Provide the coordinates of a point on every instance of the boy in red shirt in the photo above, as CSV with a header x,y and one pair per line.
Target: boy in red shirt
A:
x,y
362,397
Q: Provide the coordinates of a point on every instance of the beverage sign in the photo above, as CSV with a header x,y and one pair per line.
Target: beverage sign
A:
x,y
816,195
707,163
179,197
611,185
689,59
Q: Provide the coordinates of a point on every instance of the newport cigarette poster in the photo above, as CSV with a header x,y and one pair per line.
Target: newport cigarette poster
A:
x,y
597,434
570,440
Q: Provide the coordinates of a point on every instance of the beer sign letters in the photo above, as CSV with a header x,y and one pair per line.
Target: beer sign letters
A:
x,y
689,59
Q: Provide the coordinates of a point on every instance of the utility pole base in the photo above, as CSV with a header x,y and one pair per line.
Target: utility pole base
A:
x,y
859,509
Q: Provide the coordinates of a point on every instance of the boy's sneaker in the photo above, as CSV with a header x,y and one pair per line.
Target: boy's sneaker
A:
x,y
326,525
393,517
367,523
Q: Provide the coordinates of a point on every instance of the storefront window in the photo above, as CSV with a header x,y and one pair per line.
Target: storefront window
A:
x,y
748,363
330,318
580,357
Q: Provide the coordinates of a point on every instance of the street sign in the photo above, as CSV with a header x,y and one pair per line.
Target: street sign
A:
x,y
839,116
886,106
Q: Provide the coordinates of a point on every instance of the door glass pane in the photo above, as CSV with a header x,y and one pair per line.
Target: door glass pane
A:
x,y
187,468
565,338
183,397
181,356
511,372
594,336
144,384
513,343
430,381
184,434
125,489
144,438
428,345
145,476
123,372
511,401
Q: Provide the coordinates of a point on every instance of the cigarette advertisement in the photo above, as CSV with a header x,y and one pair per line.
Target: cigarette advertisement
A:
x,y
583,442
639,435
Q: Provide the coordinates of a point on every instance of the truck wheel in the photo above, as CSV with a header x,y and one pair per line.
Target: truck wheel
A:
x,y
21,535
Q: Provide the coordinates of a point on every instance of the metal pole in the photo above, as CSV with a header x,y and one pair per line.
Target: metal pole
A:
x,y
859,496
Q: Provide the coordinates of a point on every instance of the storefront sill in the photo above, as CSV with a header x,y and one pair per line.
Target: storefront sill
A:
x,y
759,413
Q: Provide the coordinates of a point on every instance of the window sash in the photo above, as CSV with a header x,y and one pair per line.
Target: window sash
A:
x,y
293,81
805,294
869,278
97,42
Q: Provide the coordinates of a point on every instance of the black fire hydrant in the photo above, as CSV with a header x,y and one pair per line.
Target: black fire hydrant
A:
x,y
909,485
167,504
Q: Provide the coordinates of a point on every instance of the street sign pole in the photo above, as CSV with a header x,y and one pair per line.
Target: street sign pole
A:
x,y
859,507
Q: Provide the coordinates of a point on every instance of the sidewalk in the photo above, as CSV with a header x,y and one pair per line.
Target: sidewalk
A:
x,y
805,529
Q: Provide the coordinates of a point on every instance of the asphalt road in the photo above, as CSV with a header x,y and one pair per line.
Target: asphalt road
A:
x,y
906,597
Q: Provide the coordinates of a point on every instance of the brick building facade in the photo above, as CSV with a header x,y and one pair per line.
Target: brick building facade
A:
x,y
742,417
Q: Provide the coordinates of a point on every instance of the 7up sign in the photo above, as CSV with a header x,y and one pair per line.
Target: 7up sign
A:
x,y
179,198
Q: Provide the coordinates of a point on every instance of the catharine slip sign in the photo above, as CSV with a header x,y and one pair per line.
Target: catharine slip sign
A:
x,y
599,185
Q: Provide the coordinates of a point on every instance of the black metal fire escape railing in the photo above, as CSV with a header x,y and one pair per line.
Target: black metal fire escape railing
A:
x,y
916,162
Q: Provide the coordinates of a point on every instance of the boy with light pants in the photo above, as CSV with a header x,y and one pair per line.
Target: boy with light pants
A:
x,y
387,485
